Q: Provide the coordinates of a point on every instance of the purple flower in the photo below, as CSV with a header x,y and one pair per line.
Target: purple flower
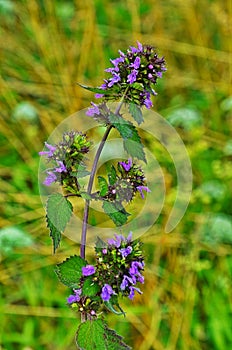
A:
x,y
93,110
133,49
134,267
49,153
117,241
50,178
74,298
88,270
129,237
141,189
132,76
125,251
106,293
136,63
116,77
118,60
140,46
99,95
127,165
125,282
61,168
159,74
132,292
104,251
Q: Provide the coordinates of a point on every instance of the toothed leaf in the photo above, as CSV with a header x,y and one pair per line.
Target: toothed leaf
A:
x,y
69,271
116,212
58,214
95,334
136,112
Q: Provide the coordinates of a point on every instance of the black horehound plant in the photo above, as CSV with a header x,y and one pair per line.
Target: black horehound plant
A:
x,y
119,262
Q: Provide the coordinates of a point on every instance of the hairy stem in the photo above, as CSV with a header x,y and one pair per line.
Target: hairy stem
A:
x,y
90,185
91,180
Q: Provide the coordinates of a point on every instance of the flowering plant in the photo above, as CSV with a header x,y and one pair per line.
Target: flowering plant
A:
x,y
119,262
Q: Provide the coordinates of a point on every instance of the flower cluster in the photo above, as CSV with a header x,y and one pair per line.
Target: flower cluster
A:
x,y
120,264
67,158
134,75
117,272
127,182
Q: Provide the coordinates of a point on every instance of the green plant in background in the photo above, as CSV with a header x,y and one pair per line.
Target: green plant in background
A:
x,y
119,262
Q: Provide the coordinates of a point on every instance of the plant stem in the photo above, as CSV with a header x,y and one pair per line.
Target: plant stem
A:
x,y
90,185
91,179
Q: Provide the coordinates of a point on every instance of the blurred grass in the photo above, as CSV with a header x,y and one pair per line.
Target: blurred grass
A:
x,y
46,47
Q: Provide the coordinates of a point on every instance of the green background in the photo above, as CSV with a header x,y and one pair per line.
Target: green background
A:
x,y
46,47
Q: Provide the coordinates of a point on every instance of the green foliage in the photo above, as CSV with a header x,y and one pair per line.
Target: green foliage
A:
x,y
102,185
136,112
96,335
116,212
187,309
90,288
58,214
69,271
131,139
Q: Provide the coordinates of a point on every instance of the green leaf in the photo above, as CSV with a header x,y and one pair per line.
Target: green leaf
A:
x,y
97,89
135,148
100,244
116,212
114,302
58,214
102,185
131,139
112,176
124,127
136,112
96,335
69,271
90,288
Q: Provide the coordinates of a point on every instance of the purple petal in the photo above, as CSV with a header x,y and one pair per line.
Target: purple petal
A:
x,y
50,178
140,46
61,168
125,282
132,292
129,237
93,110
106,293
99,95
127,165
88,270
125,251
141,189
131,78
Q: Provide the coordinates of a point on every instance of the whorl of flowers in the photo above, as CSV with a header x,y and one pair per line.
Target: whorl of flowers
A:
x,y
66,158
129,180
118,270
133,75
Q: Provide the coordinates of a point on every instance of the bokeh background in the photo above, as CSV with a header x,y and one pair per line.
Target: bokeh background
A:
x,y
46,47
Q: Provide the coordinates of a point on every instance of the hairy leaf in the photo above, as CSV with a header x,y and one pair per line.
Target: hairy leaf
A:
x,y
58,214
131,139
124,127
90,288
112,176
69,271
96,335
96,89
116,212
136,112
102,185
